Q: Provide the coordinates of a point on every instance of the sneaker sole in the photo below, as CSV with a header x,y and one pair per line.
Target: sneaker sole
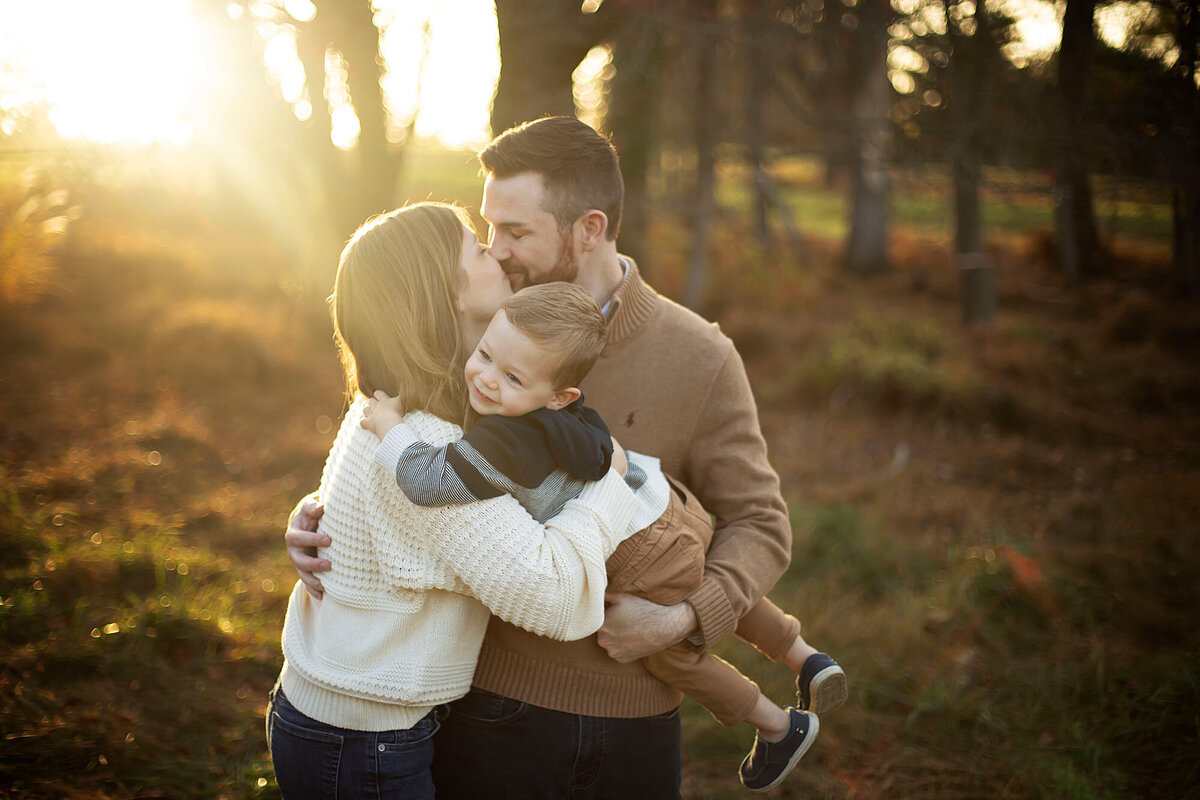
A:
x,y
827,690
814,728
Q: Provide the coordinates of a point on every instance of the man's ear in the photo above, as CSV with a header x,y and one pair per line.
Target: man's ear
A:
x,y
563,398
593,225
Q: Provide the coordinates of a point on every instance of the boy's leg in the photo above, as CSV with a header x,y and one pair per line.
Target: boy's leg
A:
x,y
782,737
769,628
715,684
820,681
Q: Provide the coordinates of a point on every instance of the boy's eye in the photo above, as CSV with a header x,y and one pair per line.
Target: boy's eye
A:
x,y
483,355
514,379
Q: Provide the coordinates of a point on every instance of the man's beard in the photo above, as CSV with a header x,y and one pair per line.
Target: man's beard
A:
x,y
566,267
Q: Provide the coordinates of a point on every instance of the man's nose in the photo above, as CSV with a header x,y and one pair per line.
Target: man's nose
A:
x,y
499,250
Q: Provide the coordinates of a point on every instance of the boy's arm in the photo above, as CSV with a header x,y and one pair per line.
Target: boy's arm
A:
x,y
382,413
430,475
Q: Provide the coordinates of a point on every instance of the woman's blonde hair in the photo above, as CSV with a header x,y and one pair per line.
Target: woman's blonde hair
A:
x,y
394,308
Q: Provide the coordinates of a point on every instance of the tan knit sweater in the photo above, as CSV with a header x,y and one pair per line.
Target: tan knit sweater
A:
x,y
672,385
411,589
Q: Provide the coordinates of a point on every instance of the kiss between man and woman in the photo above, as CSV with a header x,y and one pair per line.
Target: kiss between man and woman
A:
x,y
515,610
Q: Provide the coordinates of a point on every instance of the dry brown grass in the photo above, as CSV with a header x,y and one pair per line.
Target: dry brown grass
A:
x,y
995,528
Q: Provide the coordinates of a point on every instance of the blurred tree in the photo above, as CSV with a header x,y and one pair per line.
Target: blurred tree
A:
x,y
639,46
706,120
871,136
264,153
763,39
363,182
755,23
1185,95
974,37
311,192
541,44
1078,244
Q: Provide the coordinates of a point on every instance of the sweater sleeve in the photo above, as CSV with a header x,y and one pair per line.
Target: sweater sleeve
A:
x,y
727,469
430,475
550,579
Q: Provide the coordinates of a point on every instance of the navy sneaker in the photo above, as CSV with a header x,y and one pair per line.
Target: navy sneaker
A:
x,y
768,763
821,684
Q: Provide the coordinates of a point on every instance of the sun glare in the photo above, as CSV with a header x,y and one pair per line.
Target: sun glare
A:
x,y
120,71
445,78
129,71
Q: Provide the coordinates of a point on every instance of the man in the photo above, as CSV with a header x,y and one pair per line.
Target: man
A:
x,y
585,719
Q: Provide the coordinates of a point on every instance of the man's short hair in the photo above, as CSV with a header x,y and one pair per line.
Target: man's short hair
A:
x,y
565,320
579,167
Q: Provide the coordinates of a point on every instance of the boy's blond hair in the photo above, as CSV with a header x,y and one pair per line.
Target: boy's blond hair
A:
x,y
565,320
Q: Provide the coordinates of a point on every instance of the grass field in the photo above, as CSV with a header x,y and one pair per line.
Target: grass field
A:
x,y
995,528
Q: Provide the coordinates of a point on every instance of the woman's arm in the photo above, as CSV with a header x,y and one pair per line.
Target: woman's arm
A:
x,y
546,579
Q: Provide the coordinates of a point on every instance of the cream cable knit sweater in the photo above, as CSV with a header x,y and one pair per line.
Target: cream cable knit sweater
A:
x,y
408,599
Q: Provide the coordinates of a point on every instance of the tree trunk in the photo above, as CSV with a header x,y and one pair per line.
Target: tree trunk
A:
x,y
704,135
638,46
541,44
1186,195
866,250
756,134
270,163
378,163
1079,246
360,183
968,93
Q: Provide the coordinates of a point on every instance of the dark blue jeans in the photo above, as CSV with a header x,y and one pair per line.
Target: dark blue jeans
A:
x,y
492,746
315,761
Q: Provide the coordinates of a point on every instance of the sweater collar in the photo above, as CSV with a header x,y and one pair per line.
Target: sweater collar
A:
x,y
632,304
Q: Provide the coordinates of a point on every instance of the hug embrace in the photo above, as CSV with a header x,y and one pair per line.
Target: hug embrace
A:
x,y
540,510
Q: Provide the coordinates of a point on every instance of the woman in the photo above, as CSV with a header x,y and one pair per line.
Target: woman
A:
x,y
397,631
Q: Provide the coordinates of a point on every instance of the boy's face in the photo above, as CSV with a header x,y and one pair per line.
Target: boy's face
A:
x,y
509,373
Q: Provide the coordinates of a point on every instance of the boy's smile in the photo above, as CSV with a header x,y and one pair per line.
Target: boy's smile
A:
x,y
510,374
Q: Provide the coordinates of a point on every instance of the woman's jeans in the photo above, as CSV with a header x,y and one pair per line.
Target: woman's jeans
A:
x,y
315,761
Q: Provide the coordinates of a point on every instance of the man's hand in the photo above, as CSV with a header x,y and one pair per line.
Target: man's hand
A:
x,y
383,413
302,542
635,627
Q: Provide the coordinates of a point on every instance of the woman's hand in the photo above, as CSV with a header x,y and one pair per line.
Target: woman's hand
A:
x,y
619,462
383,413
302,542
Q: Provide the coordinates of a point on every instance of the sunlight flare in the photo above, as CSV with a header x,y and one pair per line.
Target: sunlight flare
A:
x,y
122,71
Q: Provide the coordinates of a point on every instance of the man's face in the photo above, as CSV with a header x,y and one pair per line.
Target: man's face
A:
x,y
524,237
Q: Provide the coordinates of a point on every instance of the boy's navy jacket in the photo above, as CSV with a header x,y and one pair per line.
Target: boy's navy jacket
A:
x,y
528,448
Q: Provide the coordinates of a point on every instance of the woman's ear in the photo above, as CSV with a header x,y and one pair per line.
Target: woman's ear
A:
x,y
563,398
594,225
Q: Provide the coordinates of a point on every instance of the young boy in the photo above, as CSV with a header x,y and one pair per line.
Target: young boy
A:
x,y
537,441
